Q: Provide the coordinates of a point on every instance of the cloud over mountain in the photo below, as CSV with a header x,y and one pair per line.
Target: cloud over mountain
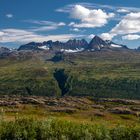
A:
x,y
44,25
131,37
123,10
130,24
18,35
89,18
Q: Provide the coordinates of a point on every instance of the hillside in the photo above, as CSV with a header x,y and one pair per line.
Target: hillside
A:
x,y
106,73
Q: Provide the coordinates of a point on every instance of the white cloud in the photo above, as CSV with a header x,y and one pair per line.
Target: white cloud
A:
x,y
123,11
1,33
80,12
22,36
71,23
130,24
45,25
75,30
45,22
44,28
107,36
67,8
91,36
89,18
131,37
61,24
9,15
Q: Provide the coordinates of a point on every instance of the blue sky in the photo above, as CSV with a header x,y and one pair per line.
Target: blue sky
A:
x,y
23,21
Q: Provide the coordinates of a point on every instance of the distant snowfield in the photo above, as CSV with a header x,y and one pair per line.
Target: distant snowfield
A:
x,y
63,50
43,47
116,46
72,51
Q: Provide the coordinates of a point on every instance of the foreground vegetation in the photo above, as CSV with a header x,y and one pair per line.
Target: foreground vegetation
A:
x,y
110,112
53,129
68,118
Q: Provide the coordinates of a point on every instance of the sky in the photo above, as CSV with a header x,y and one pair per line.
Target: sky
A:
x,y
24,21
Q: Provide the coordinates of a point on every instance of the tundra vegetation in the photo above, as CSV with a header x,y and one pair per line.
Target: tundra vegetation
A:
x,y
58,118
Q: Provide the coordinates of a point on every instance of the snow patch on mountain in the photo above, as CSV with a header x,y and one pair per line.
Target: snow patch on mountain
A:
x,y
72,51
43,47
116,46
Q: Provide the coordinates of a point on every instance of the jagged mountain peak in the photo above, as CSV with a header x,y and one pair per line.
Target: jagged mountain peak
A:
x,y
4,51
78,43
30,46
4,48
97,37
97,43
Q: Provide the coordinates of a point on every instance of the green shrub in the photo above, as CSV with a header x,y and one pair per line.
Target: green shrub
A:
x,y
53,129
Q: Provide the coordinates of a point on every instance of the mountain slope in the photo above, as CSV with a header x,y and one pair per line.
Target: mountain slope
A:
x,y
98,44
97,73
4,51
56,46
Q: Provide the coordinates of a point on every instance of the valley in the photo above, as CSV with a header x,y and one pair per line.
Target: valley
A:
x,y
100,73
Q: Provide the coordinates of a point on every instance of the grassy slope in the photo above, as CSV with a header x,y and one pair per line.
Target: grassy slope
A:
x,y
34,76
76,109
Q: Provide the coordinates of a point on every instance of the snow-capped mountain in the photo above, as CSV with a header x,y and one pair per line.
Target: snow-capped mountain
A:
x,y
72,46
98,43
69,46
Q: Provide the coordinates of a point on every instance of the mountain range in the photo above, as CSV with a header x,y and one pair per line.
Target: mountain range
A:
x,y
71,46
